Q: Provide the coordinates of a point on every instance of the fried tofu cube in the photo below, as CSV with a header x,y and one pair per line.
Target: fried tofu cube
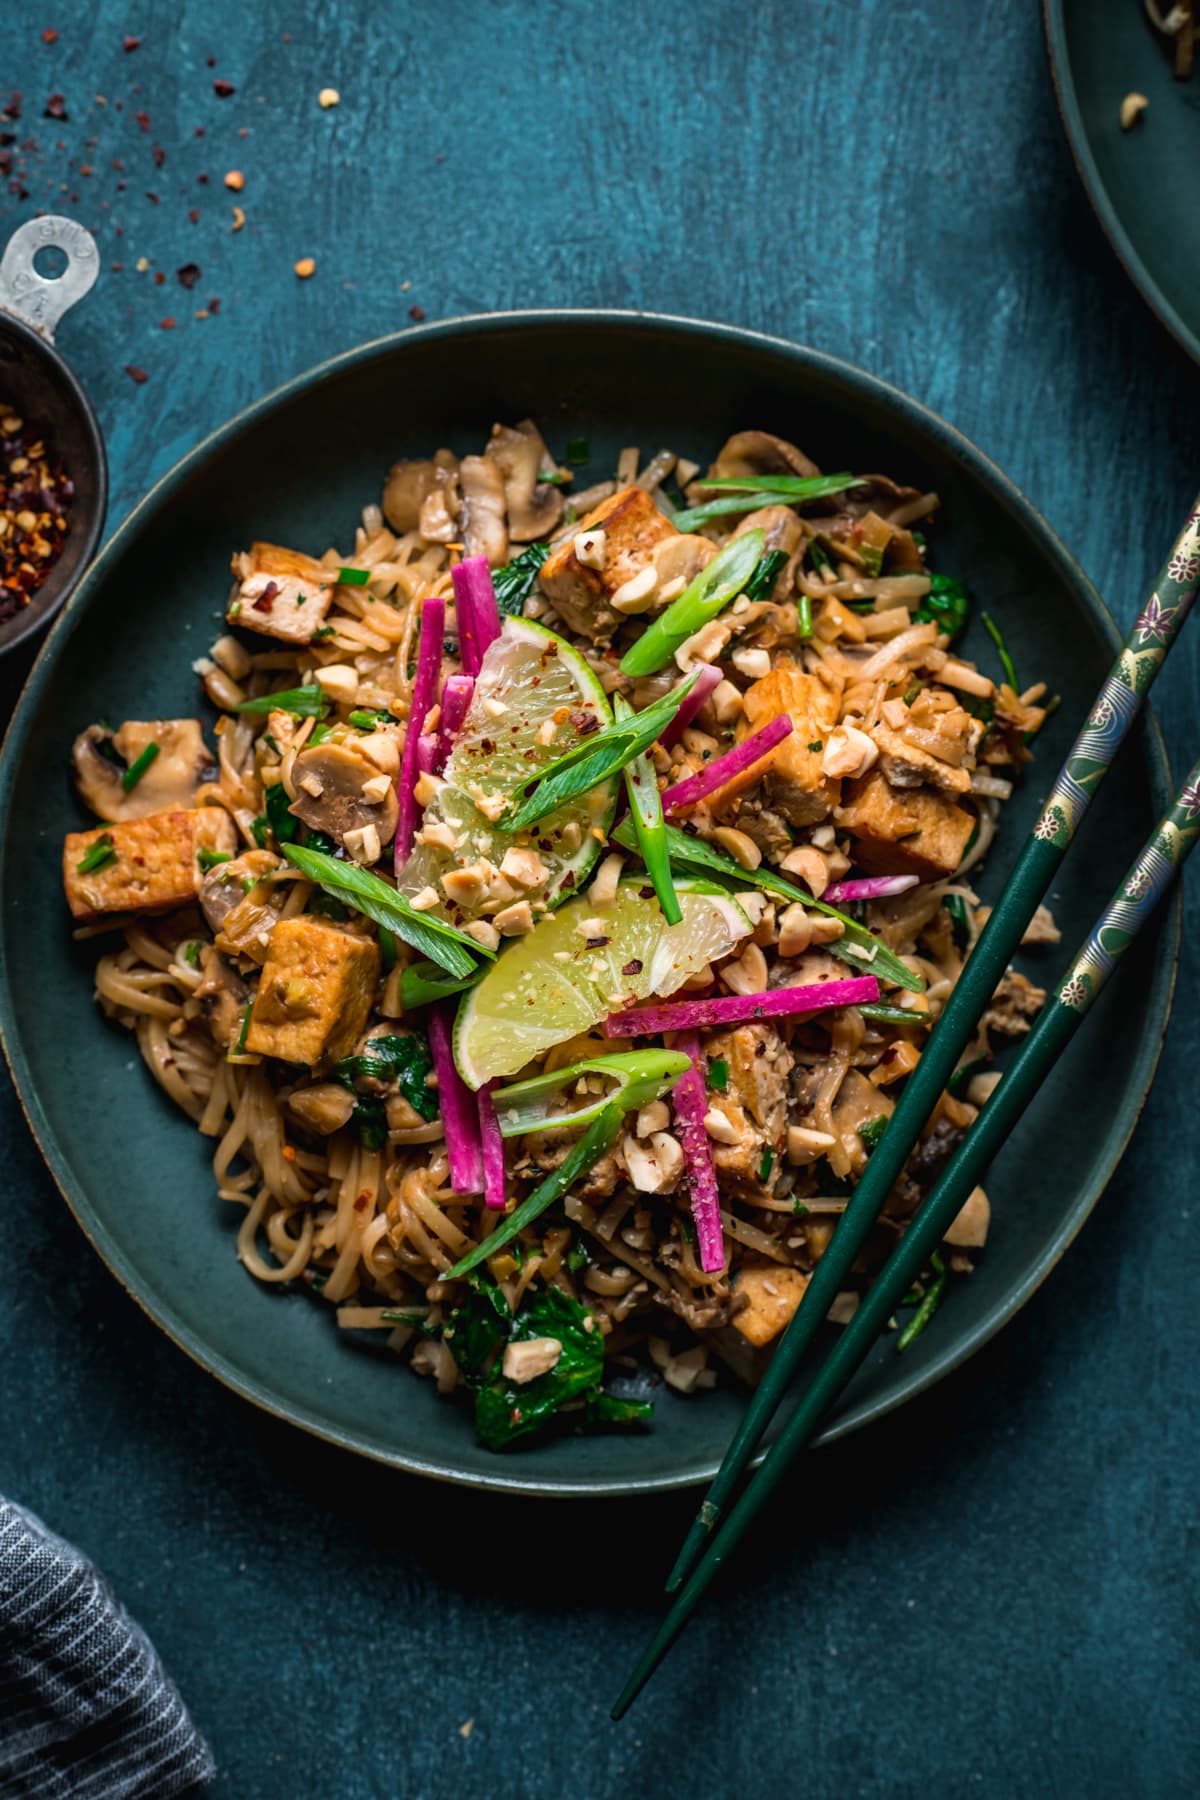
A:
x,y
280,593
315,993
152,866
636,537
773,1293
904,831
791,774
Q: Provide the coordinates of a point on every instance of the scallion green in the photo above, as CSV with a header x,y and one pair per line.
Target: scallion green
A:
x,y
645,809
98,855
301,702
368,893
707,594
137,769
765,490
353,577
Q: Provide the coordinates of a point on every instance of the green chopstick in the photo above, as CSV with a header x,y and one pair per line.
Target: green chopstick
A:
x,y
1152,873
1116,707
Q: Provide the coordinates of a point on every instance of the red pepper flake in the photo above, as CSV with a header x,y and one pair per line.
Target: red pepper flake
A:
x,y
116,267
194,215
13,108
135,374
159,155
214,306
56,107
189,275
203,180
85,168
266,599
223,89
210,62
118,165
121,186
167,325
49,36
159,279
143,119
417,313
199,131
130,44
152,198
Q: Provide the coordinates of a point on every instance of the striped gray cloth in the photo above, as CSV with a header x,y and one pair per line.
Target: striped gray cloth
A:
x,y
86,1708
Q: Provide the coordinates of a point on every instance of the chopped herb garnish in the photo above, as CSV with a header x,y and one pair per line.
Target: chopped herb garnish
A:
x,y
816,747
764,1167
301,702
353,577
718,1074
210,859
554,478
579,451
239,1047
804,625
368,720
322,633
191,954
235,609
1006,661
136,770
818,558
800,1209
514,583
98,855
260,830
578,1257
928,1306
421,1322
873,1130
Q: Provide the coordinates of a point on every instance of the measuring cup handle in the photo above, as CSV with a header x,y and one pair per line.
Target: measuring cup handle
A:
x,y
37,300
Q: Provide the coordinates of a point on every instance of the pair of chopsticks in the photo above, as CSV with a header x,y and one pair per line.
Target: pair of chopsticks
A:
x,y
713,1535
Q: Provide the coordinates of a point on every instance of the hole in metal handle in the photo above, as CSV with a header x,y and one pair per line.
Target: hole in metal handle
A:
x,y
37,299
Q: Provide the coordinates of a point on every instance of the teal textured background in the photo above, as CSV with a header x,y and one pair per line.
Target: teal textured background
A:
x,y
992,1593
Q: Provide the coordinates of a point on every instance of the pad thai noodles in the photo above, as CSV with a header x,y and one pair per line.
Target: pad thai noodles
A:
x,y
544,929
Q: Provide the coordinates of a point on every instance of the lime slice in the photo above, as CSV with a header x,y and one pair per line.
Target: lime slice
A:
x,y
535,698
561,979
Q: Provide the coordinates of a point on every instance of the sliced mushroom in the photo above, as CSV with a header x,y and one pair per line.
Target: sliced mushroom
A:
x,y
100,758
782,529
438,520
324,1108
754,453
534,507
409,484
226,886
329,781
484,532
223,996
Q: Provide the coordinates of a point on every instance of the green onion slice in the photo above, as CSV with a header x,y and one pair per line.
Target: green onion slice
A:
x,y
98,855
707,594
645,809
638,1077
368,893
353,577
136,770
301,702
766,490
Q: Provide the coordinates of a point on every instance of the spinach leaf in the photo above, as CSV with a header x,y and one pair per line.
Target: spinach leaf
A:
x,y
514,583
284,824
478,1332
404,1060
946,604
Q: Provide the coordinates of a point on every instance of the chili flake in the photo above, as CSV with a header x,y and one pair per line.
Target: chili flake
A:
x,y
34,496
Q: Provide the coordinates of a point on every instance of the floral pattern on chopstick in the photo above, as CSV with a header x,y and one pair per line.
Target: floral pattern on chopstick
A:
x,y
1153,871
1120,698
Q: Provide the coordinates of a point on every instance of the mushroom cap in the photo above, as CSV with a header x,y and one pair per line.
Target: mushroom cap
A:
x,y
341,806
225,887
534,507
407,486
100,757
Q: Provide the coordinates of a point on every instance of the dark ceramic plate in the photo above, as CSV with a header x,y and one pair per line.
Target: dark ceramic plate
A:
x,y
297,468
1101,50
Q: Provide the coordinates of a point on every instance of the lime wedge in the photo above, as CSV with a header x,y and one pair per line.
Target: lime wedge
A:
x,y
535,698
579,965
